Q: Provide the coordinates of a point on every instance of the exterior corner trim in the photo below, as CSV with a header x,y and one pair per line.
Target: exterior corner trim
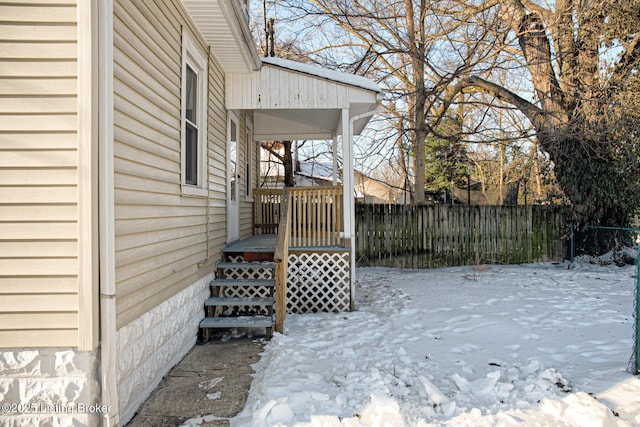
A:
x,y
106,216
87,132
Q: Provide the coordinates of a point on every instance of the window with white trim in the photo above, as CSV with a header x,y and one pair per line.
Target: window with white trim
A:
x,y
194,119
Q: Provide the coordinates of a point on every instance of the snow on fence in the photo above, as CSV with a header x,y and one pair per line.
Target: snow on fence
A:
x,y
429,236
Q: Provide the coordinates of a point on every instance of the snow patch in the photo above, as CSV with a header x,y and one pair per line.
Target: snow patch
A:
x,y
535,344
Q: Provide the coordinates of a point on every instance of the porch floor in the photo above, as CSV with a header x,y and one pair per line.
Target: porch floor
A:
x,y
266,243
258,243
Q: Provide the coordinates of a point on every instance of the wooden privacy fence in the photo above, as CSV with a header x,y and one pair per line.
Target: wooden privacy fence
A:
x,y
427,236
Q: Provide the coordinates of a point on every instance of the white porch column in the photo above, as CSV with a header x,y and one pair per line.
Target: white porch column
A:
x,y
335,159
347,174
349,198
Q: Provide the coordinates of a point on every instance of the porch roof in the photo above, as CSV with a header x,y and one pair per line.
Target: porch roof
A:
x,y
291,100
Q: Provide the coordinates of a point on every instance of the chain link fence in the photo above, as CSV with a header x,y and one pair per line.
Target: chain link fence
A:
x,y
618,245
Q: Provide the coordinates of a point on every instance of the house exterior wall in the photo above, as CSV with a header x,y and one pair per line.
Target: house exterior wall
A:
x,y
166,243
217,211
38,176
368,190
48,336
49,386
151,345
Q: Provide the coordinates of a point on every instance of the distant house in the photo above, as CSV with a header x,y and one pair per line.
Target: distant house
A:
x,y
127,131
369,190
474,194
366,189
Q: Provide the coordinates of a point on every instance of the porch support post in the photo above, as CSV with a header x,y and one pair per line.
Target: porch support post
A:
x,y
348,198
335,159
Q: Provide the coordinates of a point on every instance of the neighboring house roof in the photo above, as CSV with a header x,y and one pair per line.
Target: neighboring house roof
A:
x,y
316,170
371,190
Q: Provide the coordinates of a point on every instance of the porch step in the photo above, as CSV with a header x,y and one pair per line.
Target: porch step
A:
x,y
238,301
246,291
238,322
269,283
247,265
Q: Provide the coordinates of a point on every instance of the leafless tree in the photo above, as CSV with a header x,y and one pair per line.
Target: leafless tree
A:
x,y
582,58
569,67
412,50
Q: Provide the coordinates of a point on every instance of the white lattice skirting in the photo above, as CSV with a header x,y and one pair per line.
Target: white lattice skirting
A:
x,y
316,282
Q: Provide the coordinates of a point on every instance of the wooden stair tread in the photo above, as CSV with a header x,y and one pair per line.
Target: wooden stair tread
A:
x,y
248,265
236,301
237,322
270,283
260,264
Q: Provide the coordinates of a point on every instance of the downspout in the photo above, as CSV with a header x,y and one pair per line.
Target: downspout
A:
x,y
106,217
352,221
206,166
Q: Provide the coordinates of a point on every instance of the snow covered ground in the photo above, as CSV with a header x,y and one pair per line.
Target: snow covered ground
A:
x,y
537,344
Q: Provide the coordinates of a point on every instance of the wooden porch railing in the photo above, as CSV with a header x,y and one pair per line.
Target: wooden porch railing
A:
x,y
316,216
266,210
281,258
306,217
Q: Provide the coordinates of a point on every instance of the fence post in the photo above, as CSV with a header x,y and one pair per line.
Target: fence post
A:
x,y
572,244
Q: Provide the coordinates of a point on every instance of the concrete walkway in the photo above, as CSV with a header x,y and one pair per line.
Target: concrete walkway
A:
x,y
208,387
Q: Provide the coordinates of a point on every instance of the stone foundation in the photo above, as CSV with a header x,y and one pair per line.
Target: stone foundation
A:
x,y
151,345
49,387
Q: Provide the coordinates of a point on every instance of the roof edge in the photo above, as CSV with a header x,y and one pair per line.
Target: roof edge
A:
x,y
234,13
333,75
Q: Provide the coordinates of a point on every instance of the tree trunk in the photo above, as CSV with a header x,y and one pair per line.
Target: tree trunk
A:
x,y
417,53
501,175
289,173
536,168
402,161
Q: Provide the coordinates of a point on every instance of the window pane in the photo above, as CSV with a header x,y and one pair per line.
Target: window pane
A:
x,y
191,155
192,97
234,131
248,178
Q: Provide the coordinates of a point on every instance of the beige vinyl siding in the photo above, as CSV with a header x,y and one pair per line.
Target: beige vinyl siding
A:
x,y
38,175
161,235
217,167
